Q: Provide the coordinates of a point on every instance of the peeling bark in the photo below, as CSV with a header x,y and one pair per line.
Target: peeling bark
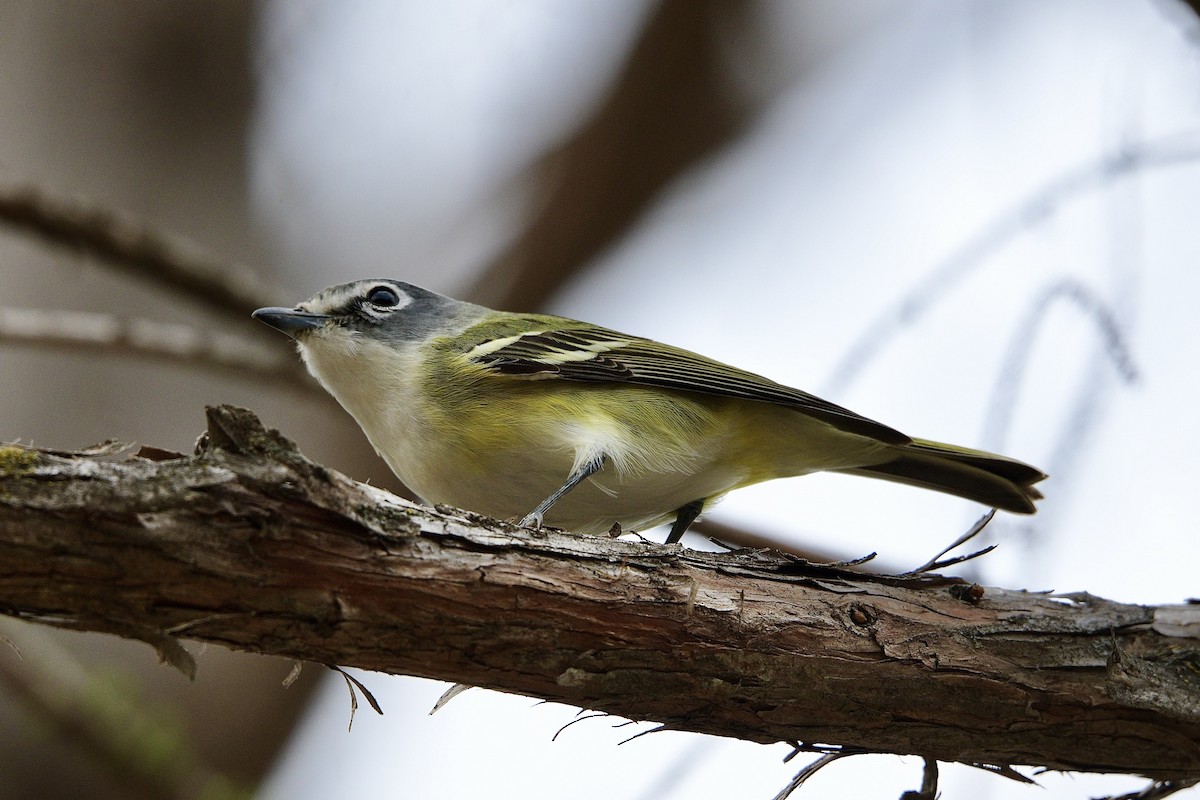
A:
x,y
251,545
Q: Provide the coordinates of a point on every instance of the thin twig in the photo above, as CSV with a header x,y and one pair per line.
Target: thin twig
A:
x,y
655,729
170,262
806,773
137,741
732,537
353,683
1157,790
1073,292
1038,206
1005,771
81,331
578,718
454,691
971,533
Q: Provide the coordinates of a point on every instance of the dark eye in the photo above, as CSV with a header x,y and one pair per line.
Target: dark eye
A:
x,y
383,296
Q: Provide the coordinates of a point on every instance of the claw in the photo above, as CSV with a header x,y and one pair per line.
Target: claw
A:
x,y
534,518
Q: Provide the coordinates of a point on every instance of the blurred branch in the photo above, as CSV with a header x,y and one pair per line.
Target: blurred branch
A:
x,y
1157,790
670,107
141,746
1020,350
1184,15
169,262
945,277
1194,5
250,545
79,331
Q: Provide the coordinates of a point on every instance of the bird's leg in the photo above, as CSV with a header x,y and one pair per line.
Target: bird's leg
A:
x,y
587,469
684,517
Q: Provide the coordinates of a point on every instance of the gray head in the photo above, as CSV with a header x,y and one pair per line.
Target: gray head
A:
x,y
364,342
380,309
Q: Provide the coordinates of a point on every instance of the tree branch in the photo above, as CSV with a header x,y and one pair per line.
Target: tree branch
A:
x,y
184,345
251,545
940,282
170,262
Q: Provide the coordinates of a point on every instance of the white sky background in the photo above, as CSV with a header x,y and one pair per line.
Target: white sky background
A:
x,y
390,135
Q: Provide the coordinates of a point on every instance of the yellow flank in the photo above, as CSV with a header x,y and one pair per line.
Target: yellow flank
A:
x,y
664,448
649,430
641,430
780,442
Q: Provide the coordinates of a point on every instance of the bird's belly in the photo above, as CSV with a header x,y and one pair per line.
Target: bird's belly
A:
x,y
510,483
508,458
662,450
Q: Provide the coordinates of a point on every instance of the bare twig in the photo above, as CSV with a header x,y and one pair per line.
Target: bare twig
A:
x,y
975,529
136,743
354,686
1071,292
83,332
806,773
170,262
640,734
1157,790
1005,771
579,718
665,110
946,276
730,537
454,691
1185,15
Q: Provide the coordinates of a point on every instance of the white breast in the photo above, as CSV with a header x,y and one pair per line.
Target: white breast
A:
x,y
379,386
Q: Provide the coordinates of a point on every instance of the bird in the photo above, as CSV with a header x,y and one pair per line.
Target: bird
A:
x,y
558,422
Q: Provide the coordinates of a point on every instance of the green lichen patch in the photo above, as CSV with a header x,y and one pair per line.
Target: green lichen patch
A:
x,y
16,461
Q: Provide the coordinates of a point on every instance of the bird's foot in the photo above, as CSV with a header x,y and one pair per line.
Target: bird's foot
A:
x,y
533,520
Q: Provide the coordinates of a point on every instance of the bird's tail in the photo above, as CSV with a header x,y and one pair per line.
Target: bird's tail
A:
x,y
986,478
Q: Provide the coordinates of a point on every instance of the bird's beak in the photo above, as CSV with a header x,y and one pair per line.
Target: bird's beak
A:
x,y
291,321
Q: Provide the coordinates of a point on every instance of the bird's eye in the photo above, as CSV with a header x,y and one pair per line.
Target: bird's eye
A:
x,y
383,296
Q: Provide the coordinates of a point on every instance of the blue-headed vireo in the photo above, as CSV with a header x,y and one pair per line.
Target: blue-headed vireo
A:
x,y
553,419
